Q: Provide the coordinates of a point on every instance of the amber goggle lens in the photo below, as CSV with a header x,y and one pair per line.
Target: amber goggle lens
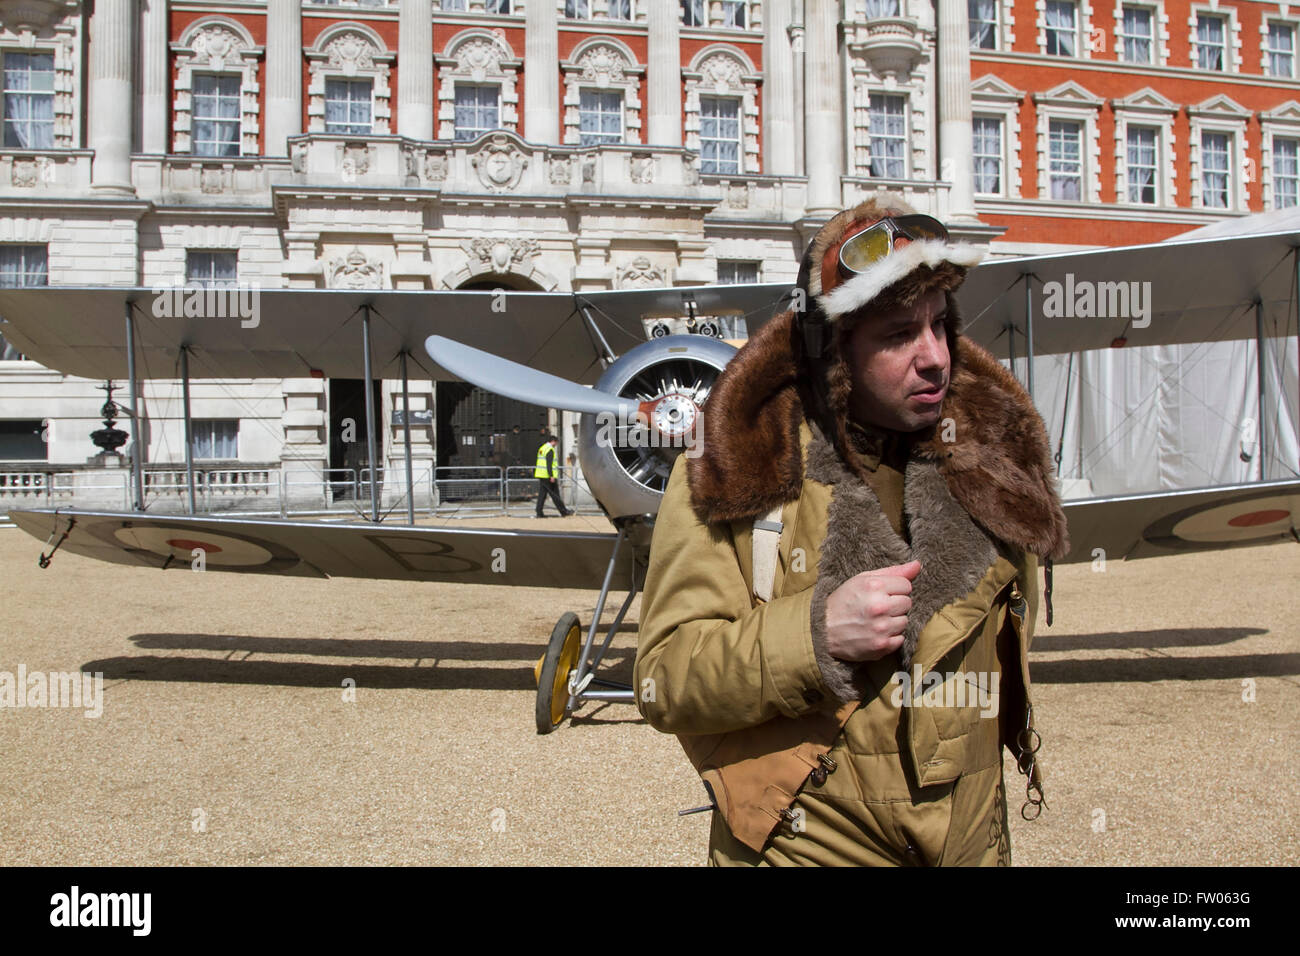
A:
x,y
870,245
877,241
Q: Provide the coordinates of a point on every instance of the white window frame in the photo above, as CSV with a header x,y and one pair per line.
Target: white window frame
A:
x,y
209,281
603,63
208,424
350,51
8,353
1281,121
997,28
1221,114
734,266
1157,163
1146,107
599,137
1265,63
696,10
1001,156
1070,101
739,140
351,82
216,46
1082,29
905,159
1122,36
457,129
51,94
994,97
1159,28
480,58
1232,60
723,70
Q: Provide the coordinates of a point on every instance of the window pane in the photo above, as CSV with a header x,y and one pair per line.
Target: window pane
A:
x,y
733,14
693,13
719,135
600,117
348,106
882,8
29,100
20,266
1065,164
1286,172
1141,167
1137,35
1209,42
577,9
887,118
983,18
216,115
1281,49
620,9
1060,27
477,111
734,272
988,154
1214,170
211,269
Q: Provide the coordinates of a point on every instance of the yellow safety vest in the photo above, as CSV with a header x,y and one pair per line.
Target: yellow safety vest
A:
x,y
541,470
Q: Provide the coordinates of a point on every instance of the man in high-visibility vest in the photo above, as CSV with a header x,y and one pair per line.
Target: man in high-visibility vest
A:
x,y
547,474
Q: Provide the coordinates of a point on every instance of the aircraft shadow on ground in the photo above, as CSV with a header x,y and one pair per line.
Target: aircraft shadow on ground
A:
x,y
1044,640
435,664
1145,669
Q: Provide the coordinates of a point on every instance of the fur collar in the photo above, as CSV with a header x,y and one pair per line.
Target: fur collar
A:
x,y
998,466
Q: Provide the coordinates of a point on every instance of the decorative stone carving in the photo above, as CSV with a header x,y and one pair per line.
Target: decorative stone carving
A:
x,y
355,271
298,157
588,169
501,255
561,170
34,15
737,196
219,47
642,169
435,166
28,172
640,273
350,54
722,72
499,163
354,162
212,180
602,65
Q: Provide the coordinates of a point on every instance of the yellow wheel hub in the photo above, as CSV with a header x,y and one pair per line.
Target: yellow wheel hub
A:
x,y
568,661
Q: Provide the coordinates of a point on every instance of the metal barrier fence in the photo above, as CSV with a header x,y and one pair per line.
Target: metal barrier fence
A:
x,y
448,491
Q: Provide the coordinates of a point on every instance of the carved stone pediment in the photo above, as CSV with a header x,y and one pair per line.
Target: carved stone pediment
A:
x,y
501,255
34,15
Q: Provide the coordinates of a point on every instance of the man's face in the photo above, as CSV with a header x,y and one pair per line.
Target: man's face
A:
x,y
900,365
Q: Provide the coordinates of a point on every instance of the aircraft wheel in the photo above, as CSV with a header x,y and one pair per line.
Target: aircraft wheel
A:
x,y
552,672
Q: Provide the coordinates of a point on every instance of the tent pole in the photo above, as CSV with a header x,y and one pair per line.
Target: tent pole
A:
x,y
1011,346
406,442
1263,391
370,412
137,452
1029,336
189,425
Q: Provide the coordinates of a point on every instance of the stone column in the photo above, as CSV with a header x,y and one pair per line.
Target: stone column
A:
x,y
541,74
664,74
780,131
112,94
155,85
956,149
823,108
283,74
415,69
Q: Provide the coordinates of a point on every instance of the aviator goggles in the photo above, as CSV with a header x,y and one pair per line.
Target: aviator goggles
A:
x,y
877,240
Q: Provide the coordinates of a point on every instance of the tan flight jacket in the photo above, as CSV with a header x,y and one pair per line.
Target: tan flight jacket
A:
x,y
737,681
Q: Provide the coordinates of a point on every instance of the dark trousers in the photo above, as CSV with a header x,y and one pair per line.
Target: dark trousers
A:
x,y
546,487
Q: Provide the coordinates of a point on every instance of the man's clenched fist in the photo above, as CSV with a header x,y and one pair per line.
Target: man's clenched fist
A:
x,y
867,614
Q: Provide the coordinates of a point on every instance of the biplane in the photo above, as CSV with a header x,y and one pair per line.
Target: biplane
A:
x,y
605,355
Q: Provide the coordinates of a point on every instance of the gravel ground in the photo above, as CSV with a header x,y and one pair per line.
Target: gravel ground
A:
x,y
226,737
